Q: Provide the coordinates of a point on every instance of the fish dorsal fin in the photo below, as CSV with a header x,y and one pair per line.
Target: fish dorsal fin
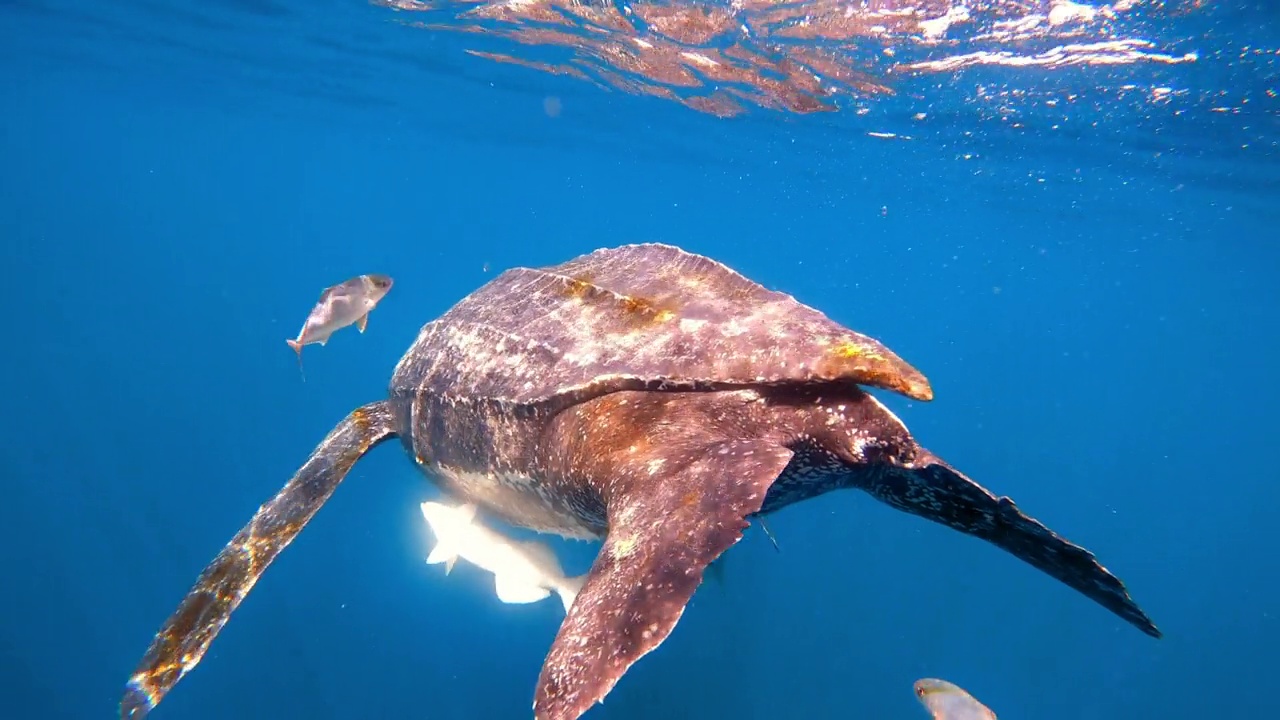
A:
x,y
467,512
662,535
518,589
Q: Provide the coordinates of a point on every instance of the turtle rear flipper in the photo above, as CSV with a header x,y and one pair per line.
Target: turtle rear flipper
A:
x,y
224,583
661,538
934,490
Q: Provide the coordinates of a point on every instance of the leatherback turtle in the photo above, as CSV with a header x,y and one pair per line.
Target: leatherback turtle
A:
x,y
650,398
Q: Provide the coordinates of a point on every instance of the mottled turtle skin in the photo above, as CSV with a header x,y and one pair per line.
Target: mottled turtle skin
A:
x,y
482,381
650,398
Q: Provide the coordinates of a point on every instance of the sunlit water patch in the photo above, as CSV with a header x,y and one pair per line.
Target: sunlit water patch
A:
x,y
814,55
1186,89
1042,74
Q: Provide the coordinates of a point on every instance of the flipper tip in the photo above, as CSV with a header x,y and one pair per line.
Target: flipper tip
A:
x,y
136,704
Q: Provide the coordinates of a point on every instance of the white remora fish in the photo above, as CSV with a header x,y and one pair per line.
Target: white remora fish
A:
x,y
947,701
523,572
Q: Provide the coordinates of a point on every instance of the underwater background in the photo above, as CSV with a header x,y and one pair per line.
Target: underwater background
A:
x,y
1078,248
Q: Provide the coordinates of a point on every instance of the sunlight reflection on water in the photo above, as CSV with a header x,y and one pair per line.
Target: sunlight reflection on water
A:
x,y
809,56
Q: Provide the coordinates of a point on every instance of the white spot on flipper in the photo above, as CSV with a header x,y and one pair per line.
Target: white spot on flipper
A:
x,y
623,547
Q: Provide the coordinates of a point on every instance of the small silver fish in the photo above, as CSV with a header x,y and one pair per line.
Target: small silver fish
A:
x,y
947,701
339,306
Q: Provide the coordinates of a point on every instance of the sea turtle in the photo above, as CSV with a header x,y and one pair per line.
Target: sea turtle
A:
x,y
650,398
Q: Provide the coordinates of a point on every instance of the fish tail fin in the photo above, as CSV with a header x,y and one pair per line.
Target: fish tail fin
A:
x,y
297,348
569,588
443,552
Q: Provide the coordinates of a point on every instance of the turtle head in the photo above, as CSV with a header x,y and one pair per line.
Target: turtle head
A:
x,y
846,423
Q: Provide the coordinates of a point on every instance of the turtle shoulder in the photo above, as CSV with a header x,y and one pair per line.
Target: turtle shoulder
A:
x,y
648,316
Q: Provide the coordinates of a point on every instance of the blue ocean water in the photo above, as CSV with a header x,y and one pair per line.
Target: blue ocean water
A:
x,y
1081,257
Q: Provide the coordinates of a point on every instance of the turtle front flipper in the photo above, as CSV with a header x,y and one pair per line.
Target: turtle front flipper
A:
x,y
665,527
225,582
932,489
